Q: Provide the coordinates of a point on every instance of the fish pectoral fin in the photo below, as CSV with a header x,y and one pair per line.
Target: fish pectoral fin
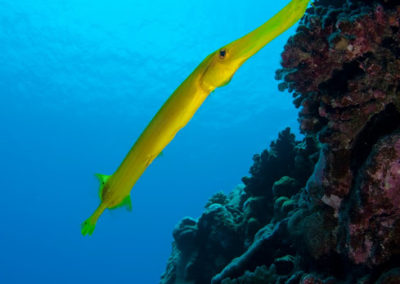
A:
x,y
102,179
126,202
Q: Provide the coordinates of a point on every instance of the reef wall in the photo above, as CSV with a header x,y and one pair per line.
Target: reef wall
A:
x,y
325,209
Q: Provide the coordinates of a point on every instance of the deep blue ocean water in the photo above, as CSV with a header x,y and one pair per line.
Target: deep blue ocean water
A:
x,y
79,81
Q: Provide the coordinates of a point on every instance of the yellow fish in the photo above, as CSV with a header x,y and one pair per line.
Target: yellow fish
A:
x,y
215,71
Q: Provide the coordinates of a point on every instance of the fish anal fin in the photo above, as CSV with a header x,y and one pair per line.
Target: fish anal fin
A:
x,y
102,179
126,202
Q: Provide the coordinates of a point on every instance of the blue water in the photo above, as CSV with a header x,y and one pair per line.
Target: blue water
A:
x,y
79,81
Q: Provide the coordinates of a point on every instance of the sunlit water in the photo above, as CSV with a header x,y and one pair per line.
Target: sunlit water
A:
x,y
79,81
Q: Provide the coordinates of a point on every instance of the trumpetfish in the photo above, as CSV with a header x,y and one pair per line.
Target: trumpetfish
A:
x,y
216,70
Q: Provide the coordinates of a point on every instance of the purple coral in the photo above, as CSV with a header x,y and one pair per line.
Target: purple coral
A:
x,y
374,228
343,67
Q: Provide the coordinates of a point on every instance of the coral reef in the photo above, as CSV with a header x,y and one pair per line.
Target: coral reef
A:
x,y
374,225
343,67
244,235
325,209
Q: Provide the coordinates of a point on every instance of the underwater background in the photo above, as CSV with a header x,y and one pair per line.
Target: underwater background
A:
x,y
79,81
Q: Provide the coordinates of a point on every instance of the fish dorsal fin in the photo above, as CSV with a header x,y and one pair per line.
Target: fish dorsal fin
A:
x,y
126,202
102,179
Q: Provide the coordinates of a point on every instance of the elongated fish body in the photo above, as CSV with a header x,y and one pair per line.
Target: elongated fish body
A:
x,y
215,71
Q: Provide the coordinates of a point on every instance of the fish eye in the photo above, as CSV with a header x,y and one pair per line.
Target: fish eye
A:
x,y
222,53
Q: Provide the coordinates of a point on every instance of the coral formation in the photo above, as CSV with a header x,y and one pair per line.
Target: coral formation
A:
x,y
239,236
374,225
325,209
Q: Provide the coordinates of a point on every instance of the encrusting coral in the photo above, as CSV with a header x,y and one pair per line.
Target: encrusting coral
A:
x,y
325,209
343,66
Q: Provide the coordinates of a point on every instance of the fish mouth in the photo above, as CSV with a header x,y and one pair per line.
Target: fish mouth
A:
x,y
248,45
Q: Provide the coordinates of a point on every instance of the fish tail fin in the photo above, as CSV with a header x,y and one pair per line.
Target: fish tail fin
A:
x,y
88,227
89,224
